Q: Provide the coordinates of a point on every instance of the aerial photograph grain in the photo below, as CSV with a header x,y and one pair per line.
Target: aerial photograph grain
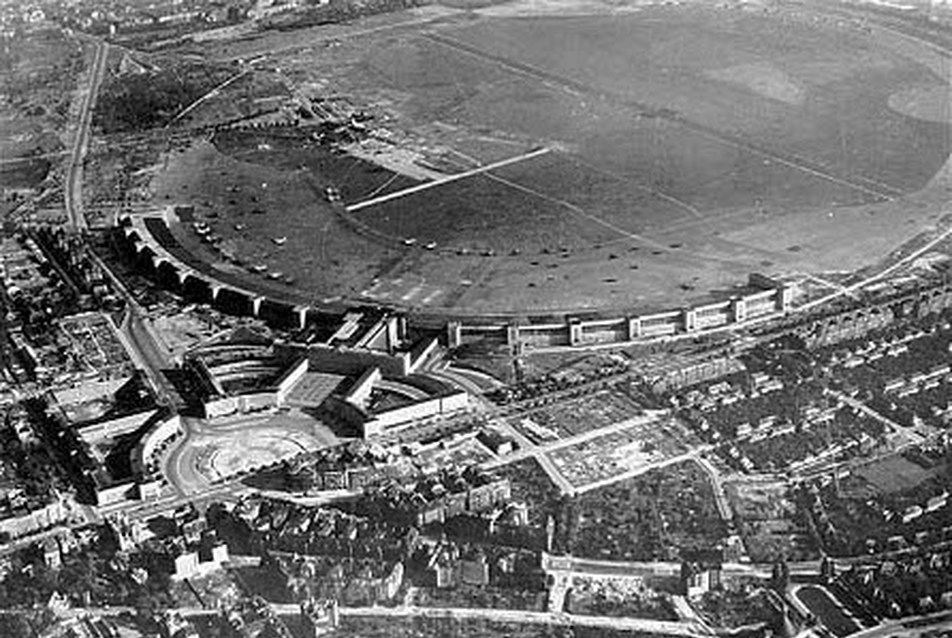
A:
x,y
475,318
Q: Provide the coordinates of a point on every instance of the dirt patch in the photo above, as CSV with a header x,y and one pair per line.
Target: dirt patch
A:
x,y
895,474
762,79
928,103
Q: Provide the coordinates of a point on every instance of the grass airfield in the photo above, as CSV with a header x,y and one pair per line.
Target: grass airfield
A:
x,y
688,146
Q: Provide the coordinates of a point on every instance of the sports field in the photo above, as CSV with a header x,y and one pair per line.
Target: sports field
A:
x,y
687,146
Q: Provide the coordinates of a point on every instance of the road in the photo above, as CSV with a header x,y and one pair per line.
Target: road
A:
x,y
215,91
136,335
720,496
919,626
528,449
522,617
150,357
143,510
380,199
912,627
643,469
596,568
73,192
664,627
908,433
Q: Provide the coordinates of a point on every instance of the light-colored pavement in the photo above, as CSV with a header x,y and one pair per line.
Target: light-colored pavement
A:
x,y
531,448
380,199
660,627
214,452
73,192
911,627
720,496
215,91
910,435
917,627
526,617
528,449
643,469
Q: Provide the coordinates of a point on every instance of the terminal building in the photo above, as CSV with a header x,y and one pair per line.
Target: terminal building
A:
x,y
159,254
362,375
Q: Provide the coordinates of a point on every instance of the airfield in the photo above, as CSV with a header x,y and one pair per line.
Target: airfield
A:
x,y
538,158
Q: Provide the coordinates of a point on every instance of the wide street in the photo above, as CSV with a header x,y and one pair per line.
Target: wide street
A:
x,y
73,192
671,628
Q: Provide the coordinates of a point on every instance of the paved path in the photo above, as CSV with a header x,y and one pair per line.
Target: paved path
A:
x,y
73,193
445,180
525,617
720,496
664,627
530,449
911,435
643,469
215,91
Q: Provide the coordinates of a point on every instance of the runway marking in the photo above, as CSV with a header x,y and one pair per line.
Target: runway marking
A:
x,y
433,295
312,43
413,292
445,180
859,183
370,292
827,283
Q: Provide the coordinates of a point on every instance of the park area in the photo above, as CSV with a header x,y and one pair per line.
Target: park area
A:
x,y
895,502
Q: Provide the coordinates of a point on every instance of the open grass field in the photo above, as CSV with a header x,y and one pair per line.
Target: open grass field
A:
x,y
687,147
823,606
36,80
